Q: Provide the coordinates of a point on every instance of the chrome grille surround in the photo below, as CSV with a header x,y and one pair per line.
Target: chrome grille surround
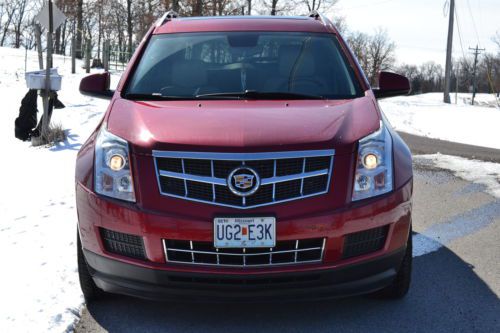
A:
x,y
305,251
214,184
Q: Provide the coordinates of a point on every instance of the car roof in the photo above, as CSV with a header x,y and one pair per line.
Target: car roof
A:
x,y
244,23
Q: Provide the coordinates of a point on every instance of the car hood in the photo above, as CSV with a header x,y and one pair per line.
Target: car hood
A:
x,y
243,125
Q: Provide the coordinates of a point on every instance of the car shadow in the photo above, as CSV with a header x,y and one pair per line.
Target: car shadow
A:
x,y
446,295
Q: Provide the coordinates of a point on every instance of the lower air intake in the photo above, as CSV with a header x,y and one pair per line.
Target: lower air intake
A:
x,y
123,244
364,242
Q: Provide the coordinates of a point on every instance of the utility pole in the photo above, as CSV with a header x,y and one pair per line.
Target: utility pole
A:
x,y
449,47
476,50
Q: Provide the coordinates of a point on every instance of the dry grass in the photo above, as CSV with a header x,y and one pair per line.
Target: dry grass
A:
x,y
54,135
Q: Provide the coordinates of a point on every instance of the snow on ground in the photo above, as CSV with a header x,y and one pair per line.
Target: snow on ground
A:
x,y
39,284
427,115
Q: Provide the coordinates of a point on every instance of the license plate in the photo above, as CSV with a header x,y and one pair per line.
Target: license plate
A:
x,y
238,232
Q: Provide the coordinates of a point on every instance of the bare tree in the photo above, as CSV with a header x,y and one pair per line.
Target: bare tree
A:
x,y
496,39
318,5
79,29
129,26
380,54
358,41
275,7
18,21
9,9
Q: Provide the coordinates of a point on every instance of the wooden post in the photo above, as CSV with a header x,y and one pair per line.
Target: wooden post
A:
x,y
73,55
105,55
46,120
38,36
87,56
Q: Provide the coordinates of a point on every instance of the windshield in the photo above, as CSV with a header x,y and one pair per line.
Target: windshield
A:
x,y
225,65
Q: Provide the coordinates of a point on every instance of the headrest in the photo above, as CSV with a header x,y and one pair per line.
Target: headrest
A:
x,y
189,73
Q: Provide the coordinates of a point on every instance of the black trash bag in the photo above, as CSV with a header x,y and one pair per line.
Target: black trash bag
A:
x,y
27,119
54,103
57,103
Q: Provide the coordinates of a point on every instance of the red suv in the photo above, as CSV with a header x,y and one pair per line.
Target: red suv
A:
x,y
244,157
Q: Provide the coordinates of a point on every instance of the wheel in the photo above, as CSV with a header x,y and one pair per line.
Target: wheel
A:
x,y
90,290
401,284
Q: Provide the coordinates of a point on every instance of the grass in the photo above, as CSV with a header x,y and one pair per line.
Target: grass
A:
x,y
54,135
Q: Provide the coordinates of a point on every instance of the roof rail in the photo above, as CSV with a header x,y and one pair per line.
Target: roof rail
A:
x,y
168,16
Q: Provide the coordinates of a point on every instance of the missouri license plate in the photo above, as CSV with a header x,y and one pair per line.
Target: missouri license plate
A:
x,y
239,232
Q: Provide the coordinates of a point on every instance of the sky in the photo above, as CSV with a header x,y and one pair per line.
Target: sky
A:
x,y
419,27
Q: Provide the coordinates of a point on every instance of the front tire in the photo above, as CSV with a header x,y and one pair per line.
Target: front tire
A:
x,y
90,290
401,284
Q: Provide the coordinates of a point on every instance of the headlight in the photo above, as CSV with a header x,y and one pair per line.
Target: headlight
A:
x,y
113,177
374,174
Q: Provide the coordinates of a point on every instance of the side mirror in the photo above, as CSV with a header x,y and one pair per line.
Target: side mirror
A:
x,y
97,85
391,84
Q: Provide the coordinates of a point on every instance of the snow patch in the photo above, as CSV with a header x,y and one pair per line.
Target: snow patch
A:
x,y
479,172
427,115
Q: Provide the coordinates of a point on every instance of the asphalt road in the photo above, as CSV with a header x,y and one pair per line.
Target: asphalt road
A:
x,y
456,279
423,145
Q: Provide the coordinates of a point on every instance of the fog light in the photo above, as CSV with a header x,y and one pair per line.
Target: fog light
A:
x,y
116,162
370,161
363,183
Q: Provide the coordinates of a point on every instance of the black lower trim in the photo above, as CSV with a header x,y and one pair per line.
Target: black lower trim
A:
x,y
122,278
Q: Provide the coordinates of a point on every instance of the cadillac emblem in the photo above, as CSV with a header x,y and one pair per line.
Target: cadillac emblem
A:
x,y
243,181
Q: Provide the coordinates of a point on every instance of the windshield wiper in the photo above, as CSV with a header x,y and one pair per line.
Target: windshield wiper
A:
x,y
253,94
155,97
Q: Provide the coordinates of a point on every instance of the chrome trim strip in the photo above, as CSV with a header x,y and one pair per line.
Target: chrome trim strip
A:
x,y
244,254
281,179
185,182
213,176
296,249
223,182
274,184
201,179
244,156
323,248
303,172
244,207
247,266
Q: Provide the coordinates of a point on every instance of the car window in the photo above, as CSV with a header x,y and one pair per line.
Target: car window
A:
x,y
187,65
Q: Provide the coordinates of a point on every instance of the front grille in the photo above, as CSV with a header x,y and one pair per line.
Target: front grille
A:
x,y
364,242
204,253
123,244
284,176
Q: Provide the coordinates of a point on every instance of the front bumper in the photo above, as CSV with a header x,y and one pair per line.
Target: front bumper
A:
x,y
121,278
157,278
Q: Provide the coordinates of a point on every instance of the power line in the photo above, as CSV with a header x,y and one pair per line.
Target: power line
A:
x,y
459,33
473,22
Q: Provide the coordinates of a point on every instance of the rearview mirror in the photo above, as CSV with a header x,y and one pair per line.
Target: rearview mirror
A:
x,y
97,85
391,84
